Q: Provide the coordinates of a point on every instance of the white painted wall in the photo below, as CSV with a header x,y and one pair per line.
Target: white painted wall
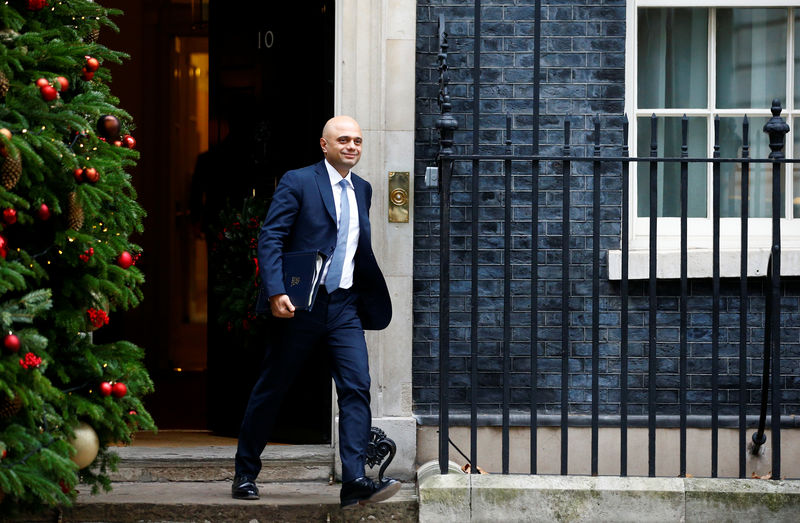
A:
x,y
375,83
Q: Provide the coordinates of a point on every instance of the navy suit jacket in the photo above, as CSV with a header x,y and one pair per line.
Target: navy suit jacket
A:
x,y
302,217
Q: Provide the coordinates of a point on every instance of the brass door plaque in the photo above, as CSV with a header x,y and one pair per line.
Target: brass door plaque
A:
x,y
398,197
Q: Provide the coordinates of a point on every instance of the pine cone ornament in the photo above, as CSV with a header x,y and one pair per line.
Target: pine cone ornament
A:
x,y
10,172
93,35
4,84
9,406
74,213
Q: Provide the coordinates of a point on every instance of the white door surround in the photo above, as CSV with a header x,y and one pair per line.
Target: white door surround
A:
x,y
374,82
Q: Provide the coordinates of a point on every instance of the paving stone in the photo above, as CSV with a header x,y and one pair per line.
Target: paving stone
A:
x,y
211,501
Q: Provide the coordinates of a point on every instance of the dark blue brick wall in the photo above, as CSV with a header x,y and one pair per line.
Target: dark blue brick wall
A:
x,y
582,77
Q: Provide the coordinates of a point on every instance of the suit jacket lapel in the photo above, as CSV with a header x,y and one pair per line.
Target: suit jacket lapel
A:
x,y
363,224
324,185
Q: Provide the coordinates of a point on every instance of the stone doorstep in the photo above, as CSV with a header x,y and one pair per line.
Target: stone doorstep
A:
x,y
211,501
582,498
280,463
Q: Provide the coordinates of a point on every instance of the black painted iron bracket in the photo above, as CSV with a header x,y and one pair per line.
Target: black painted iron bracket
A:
x,y
379,448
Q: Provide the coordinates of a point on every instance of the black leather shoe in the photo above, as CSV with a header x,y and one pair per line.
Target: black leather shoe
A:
x,y
244,487
363,490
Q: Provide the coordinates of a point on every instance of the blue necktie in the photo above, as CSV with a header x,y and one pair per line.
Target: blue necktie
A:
x,y
334,276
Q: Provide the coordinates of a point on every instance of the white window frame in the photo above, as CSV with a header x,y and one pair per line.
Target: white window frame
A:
x,y
701,229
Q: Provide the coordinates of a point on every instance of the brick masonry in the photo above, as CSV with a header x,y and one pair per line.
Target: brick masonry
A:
x,y
582,76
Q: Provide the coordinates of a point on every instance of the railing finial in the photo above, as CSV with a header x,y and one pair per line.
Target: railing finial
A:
x,y
777,128
446,123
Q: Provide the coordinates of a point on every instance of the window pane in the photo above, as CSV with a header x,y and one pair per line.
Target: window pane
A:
x,y
669,174
760,176
751,57
796,62
796,174
673,58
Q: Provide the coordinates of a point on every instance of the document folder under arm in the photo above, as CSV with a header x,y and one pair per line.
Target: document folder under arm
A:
x,y
301,277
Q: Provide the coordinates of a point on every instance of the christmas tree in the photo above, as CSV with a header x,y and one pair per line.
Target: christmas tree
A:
x,y
66,256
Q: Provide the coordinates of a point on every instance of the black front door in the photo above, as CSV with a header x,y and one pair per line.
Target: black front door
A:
x,y
271,91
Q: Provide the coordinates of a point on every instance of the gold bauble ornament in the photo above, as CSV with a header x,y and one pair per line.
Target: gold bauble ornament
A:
x,y
86,443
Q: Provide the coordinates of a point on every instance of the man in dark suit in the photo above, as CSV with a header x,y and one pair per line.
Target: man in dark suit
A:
x,y
322,207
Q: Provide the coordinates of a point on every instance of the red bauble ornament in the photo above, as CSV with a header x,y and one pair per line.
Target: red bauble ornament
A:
x,y
118,143
125,260
129,141
35,5
91,174
105,389
43,212
49,93
3,246
63,83
42,82
78,174
86,74
5,453
11,342
119,390
132,413
92,64
10,216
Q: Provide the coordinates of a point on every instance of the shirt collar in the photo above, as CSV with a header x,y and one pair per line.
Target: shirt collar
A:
x,y
335,177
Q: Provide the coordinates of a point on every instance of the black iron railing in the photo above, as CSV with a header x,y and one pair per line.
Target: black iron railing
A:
x,y
473,164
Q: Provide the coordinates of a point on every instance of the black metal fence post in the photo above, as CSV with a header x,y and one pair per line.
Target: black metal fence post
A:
x,y
652,296
565,345
447,125
596,298
684,289
777,128
534,348
507,217
623,291
743,300
474,301
715,204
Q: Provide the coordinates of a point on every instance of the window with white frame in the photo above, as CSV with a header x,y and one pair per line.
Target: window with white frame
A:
x,y
702,59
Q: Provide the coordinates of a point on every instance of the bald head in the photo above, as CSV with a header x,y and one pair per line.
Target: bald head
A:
x,y
341,143
338,123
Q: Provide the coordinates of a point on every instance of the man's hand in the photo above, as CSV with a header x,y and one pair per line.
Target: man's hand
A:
x,y
281,306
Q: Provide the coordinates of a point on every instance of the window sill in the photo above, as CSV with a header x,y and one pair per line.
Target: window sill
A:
x,y
699,263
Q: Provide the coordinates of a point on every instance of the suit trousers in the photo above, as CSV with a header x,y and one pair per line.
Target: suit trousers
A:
x,y
334,325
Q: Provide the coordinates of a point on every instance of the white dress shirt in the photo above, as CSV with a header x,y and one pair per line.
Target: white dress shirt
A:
x,y
352,235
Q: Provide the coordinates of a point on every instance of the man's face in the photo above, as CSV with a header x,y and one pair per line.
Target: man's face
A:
x,y
342,145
